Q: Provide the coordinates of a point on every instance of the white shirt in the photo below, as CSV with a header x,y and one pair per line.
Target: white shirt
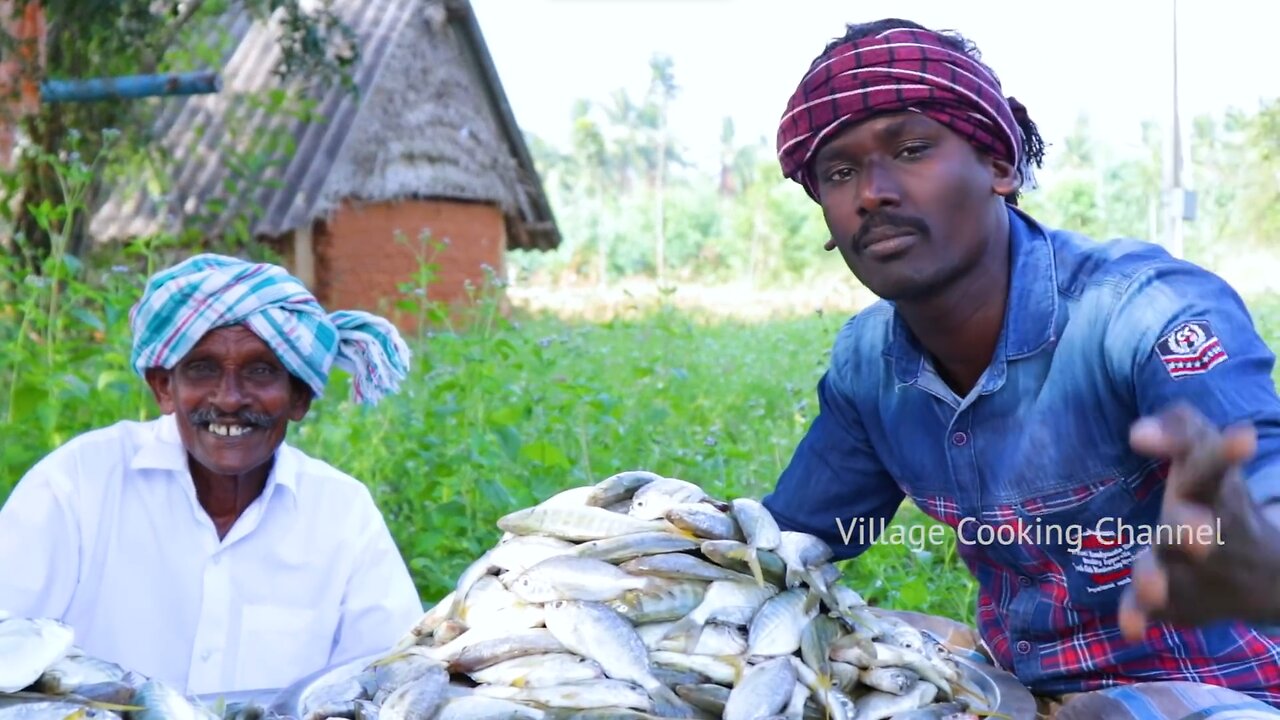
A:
x,y
106,534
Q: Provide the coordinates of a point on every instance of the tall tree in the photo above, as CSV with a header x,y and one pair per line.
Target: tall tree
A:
x,y
127,37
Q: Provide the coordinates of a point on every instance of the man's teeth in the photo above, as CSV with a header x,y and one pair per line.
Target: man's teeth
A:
x,y
228,430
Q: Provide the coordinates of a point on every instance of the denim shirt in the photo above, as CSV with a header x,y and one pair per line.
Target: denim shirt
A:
x,y
1033,468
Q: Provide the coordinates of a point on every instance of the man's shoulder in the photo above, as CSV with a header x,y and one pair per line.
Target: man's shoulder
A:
x,y
1086,264
120,439
320,479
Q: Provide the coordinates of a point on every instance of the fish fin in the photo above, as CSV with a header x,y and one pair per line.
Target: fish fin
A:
x,y
681,532
753,562
811,600
737,662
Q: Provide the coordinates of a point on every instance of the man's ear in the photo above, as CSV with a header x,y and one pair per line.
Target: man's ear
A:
x,y
300,403
162,388
1005,178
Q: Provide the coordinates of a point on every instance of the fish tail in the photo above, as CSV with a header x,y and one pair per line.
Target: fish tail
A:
x,y
669,705
753,562
685,632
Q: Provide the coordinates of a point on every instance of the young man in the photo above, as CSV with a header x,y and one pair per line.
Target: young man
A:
x,y
199,548
1053,399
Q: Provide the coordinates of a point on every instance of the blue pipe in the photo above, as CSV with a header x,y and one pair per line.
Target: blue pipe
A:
x,y
131,86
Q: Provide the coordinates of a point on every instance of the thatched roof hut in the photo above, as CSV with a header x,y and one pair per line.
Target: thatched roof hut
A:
x,y
426,141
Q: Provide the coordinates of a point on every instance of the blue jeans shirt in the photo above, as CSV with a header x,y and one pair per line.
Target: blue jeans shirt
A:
x,y
1033,467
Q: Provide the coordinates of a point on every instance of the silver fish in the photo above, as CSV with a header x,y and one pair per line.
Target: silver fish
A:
x,y
654,499
679,566
620,487
160,701
733,555
581,695
705,521
418,699
51,709
939,711
626,547
708,697
724,670
567,577
878,705
835,705
801,552
522,552
777,627
488,652
30,646
715,639
815,644
490,604
70,673
479,707
576,523
760,529
664,600
765,689
893,680
539,670
595,631
725,600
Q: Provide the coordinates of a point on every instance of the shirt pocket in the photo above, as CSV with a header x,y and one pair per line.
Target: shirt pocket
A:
x,y
1086,539
278,645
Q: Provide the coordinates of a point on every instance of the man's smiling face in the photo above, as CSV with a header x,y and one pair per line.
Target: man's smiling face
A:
x,y
233,400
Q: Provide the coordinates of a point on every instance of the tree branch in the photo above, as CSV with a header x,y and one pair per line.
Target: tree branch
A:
x,y
152,59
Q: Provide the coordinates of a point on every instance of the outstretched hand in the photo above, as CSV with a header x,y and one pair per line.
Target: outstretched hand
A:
x,y
1221,561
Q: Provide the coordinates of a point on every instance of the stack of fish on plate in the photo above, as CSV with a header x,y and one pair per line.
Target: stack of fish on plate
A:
x,y
641,596
44,676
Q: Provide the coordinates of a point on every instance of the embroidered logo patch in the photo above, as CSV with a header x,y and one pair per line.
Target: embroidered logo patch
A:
x,y
1106,559
1190,349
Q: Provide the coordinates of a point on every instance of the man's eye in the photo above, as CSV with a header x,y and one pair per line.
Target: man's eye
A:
x,y
200,369
913,150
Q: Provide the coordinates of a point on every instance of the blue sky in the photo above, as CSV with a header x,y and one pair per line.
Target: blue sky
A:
x,y
742,58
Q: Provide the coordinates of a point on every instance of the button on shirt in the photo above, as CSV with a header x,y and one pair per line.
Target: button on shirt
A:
x,y
106,534
1033,468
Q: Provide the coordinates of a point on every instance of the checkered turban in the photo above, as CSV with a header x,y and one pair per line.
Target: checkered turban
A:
x,y
180,305
898,69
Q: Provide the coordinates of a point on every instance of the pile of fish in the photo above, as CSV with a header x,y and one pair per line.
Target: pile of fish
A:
x,y
44,676
643,597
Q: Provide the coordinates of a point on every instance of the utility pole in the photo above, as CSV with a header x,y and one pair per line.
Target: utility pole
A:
x,y
1179,201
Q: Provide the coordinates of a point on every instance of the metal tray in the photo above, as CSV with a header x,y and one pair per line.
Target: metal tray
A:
x,y
1002,691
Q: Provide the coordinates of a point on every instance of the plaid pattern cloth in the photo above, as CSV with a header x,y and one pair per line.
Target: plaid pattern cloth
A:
x,y
1139,701
180,305
901,69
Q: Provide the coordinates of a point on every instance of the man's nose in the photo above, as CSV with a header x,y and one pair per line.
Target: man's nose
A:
x,y
877,189
229,395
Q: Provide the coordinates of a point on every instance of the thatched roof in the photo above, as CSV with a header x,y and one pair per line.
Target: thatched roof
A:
x,y
429,119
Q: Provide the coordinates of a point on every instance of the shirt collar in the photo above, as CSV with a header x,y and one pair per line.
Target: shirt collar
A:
x,y
162,449
1030,314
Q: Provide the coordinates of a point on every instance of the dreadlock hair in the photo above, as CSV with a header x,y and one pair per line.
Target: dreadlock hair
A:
x,y
1033,146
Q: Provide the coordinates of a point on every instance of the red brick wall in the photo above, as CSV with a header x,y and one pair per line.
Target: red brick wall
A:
x,y
360,263
20,71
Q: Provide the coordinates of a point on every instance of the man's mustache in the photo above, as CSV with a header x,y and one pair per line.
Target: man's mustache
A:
x,y
882,220
244,418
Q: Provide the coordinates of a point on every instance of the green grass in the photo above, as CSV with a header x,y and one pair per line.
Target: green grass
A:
x,y
497,417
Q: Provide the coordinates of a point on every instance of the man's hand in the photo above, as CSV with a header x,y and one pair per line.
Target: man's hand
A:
x,y
1198,576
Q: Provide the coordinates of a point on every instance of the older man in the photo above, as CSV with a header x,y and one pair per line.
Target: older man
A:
x,y
1055,400
200,548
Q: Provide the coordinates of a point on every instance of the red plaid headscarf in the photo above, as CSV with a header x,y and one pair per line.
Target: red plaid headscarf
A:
x,y
898,69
